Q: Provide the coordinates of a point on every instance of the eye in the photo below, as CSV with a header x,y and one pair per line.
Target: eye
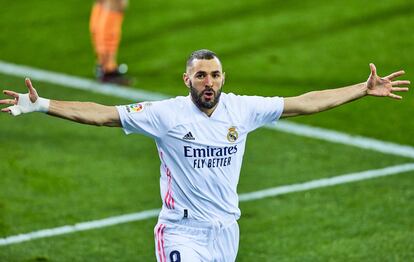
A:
x,y
216,75
200,76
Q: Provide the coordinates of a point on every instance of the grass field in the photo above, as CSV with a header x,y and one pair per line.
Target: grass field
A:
x,y
55,173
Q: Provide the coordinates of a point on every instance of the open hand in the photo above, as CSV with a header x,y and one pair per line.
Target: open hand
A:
x,y
385,86
24,103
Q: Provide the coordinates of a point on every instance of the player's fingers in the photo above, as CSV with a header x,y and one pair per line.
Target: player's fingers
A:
x,y
8,102
373,69
401,82
11,93
395,74
399,89
29,85
6,110
32,91
394,96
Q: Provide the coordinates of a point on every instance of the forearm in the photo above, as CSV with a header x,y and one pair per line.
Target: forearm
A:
x,y
85,113
318,101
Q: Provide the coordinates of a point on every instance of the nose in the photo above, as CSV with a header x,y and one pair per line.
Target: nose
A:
x,y
208,82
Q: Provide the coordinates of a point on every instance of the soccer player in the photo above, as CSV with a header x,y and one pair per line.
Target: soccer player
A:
x,y
105,26
201,140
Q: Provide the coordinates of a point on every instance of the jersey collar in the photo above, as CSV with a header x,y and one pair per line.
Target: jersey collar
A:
x,y
216,113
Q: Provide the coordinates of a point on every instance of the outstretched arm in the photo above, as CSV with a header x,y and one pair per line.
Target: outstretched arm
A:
x,y
318,101
81,112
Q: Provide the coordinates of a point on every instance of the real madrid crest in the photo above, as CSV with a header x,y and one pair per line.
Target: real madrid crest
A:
x,y
232,135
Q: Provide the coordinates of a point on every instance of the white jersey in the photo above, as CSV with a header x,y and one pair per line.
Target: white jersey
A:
x,y
201,156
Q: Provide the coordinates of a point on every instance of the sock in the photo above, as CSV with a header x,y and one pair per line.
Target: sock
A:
x,y
108,38
94,22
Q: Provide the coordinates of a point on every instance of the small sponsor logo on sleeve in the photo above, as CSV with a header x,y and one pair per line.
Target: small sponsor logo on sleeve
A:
x,y
135,108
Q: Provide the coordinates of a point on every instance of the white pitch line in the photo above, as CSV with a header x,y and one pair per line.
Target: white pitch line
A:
x,y
271,192
140,95
343,138
110,221
325,182
77,82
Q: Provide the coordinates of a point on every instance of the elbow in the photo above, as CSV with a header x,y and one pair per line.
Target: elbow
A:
x,y
305,105
309,109
108,122
97,123
101,122
314,109
310,105
86,121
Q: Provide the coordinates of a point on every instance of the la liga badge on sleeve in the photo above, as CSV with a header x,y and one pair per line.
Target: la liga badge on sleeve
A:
x,y
135,108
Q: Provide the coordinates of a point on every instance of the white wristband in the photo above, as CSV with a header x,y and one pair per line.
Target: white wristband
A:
x,y
24,105
43,104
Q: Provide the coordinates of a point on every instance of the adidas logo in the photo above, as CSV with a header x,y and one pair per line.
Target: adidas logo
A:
x,y
188,136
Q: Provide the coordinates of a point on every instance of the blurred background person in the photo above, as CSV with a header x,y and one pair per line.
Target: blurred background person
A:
x,y
106,28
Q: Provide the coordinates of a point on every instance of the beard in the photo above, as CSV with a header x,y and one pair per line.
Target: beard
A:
x,y
199,99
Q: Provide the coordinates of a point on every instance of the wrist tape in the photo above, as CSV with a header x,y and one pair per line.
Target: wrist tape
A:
x,y
24,105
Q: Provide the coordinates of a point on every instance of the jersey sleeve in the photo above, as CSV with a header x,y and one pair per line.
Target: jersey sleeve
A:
x,y
262,110
148,118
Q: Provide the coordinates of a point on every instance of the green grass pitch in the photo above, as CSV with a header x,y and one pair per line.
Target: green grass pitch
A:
x,y
55,173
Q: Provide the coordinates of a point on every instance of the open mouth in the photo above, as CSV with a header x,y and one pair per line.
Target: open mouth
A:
x,y
208,95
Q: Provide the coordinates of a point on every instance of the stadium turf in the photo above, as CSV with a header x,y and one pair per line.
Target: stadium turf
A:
x,y
54,173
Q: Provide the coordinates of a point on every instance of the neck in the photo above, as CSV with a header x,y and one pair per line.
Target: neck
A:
x,y
207,111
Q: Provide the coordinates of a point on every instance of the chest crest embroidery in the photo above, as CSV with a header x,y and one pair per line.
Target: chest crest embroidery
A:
x,y
232,135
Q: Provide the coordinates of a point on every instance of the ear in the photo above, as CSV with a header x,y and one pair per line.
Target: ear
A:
x,y
224,79
186,79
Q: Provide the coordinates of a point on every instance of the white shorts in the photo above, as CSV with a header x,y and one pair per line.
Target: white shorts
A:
x,y
191,241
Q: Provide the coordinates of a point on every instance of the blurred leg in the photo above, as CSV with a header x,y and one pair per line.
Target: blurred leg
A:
x,y
109,33
94,22
105,27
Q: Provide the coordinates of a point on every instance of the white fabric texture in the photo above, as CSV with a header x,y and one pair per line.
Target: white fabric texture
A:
x,y
201,156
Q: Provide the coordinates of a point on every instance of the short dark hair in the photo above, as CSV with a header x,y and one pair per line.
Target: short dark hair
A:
x,y
201,54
